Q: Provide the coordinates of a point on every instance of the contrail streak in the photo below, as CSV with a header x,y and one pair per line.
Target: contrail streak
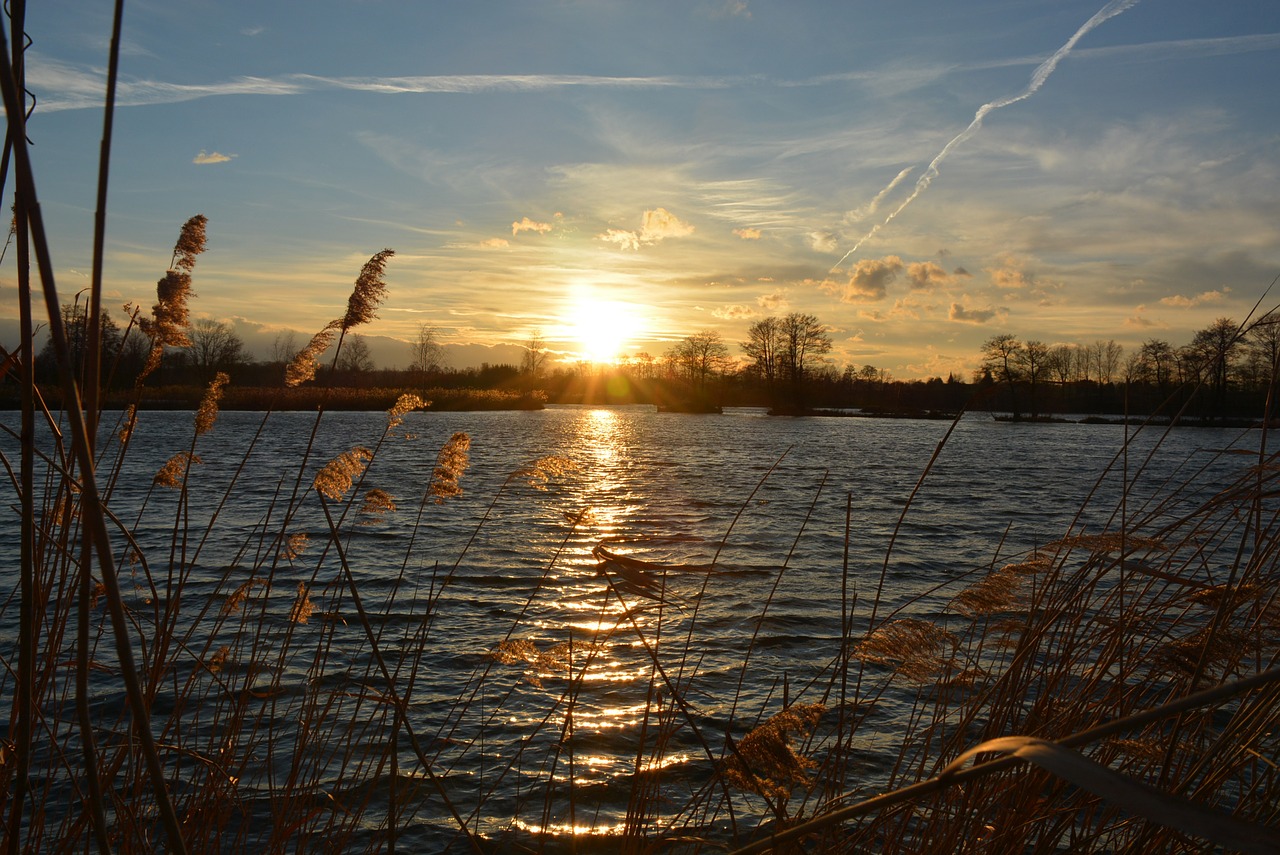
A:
x,y
1038,77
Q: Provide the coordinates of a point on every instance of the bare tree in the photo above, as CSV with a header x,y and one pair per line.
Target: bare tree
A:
x,y
1105,357
804,341
355,355
1000,359
285,346
701,356
426,350
763,344
215,346
1033,360
534,360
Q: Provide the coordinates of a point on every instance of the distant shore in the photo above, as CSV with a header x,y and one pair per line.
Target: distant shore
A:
x,y
301,398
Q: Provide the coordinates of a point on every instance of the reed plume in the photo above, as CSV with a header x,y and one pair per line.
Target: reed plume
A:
x,y
207,414
335,478
377,503
302,367
765,761
303,607
174,470
404,404
450,464
370,289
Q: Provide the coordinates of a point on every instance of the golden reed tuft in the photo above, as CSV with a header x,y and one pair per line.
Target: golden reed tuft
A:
x,y
208,412
450,465
334,480
174,470
303,366
765,762
369,291
303,607
916,649
404,404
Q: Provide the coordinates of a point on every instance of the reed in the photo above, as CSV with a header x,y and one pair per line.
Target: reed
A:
x,y
1115,690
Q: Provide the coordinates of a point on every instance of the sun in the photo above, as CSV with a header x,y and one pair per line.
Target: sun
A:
x,y
603,328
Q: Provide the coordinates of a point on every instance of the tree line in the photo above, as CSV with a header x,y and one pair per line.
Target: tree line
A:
x,y
782,363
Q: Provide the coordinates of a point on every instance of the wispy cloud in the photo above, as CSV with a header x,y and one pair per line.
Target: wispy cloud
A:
x,y
1038,78
748,234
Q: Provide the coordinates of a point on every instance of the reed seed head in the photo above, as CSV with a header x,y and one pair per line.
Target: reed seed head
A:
x,y
369,292
191,242
295,545
218,660
377,503
130,422
765,762
237,599
404,404
170,316
916,649
208,412
174,470
450,464
540,472
334,480
303,365
303,607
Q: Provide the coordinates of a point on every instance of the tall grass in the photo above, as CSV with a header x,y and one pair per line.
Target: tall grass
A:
x,y
1115,690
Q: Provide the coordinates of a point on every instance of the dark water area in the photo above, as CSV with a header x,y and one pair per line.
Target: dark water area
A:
x,y
801,517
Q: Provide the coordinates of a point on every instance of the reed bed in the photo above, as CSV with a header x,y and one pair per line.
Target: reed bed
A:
x,y
1115,690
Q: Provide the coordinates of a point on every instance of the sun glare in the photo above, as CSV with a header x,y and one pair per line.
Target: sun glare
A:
x,y
603,329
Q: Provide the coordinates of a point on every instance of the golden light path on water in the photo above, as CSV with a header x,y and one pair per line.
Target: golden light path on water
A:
x,y
611,666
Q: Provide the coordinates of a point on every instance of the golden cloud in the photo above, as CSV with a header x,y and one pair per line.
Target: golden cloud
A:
x,y
527,225
205,157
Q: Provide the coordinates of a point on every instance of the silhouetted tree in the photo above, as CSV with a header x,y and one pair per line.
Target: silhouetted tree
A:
x,y
75,321
214,347
427,354
355,356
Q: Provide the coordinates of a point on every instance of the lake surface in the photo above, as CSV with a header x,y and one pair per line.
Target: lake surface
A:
x,y
801,517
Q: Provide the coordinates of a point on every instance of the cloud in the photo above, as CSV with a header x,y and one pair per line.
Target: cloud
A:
x,y
868,280
624,239
773,302
1181,302
1139,322
661,223
211,157
747,234
495,243
735,9
527,225
655,226
253,31
927,274
1011,275
824,241
961,315
734,313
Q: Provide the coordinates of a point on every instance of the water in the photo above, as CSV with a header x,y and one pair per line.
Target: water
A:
x,y
508,564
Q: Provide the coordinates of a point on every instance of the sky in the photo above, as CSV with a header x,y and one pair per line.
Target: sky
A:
x,y
609,177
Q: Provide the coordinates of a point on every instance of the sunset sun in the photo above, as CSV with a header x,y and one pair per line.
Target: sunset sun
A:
x,y
603,328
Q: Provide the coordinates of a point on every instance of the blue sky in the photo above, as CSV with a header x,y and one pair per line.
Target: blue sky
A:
x,y
654,169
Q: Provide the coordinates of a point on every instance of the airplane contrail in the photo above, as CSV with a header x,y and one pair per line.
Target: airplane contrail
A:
x,y
1038,77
